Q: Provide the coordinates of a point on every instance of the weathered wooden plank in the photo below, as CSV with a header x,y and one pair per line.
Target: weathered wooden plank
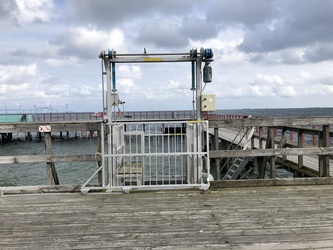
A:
x,y
271,122
285,217
55,126
271,152
39,189
22,159
44,158
273,182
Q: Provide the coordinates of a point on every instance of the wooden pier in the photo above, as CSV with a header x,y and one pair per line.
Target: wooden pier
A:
x,y
280,217
267,147
279,151
268,214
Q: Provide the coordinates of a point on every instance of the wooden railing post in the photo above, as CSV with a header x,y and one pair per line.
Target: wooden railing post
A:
x,y
261,131
324,160
52,176
314,137
300,141
262,161
284,141
272,173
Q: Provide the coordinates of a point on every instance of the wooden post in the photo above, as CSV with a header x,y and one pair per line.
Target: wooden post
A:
x,y
324,160
283,141
303,135
262,161
320,158
272,133
314,137
300,140
216,147
52,177
260,137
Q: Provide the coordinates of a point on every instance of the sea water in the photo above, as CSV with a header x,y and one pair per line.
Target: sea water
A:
x,y
35,173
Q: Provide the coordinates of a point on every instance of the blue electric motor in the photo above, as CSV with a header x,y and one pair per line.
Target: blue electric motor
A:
x,y
208,53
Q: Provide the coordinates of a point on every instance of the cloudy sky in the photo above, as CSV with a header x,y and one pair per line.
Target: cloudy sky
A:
x,y
267,54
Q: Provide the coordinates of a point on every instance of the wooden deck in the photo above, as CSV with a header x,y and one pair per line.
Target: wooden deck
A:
x,y
233,218
309,161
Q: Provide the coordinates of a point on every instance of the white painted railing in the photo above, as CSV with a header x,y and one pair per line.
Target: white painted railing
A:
x,y
156,155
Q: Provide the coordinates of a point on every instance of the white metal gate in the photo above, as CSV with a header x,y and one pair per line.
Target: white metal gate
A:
x,y
156,155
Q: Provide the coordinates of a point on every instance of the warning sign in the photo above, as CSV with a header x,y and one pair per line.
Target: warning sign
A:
x,y
45,128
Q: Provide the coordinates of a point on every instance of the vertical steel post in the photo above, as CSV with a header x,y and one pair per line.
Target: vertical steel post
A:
x,y
198,86
103,90
107,66
193,87
114,87
193,75
199,117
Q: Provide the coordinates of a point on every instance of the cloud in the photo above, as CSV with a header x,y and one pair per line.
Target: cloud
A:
x,y
85,91
174,91
16,75
167,35
87,42
35,11
197,29
22,12
59,90
127,71
266,52
261,91
238,12
8,13
319,52
108,13
127,76
268,80
164,25
285,91
53,62
293,25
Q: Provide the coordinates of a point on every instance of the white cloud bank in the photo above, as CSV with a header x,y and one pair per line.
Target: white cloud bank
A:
x,y
268,54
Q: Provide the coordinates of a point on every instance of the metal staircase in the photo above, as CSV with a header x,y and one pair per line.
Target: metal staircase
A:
x,y
240,162
236,168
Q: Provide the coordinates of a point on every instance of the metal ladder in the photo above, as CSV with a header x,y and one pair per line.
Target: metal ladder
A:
x,y
236,168
240,162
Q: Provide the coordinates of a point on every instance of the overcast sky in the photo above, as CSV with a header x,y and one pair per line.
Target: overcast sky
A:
x,y
267,54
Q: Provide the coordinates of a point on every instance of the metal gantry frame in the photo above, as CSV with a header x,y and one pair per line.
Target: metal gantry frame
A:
x,y
109,59
196,58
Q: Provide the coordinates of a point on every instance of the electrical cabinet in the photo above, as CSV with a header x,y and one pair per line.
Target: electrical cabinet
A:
x,y
208,102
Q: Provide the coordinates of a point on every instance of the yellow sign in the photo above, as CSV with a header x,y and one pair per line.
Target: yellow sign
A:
x,y
152,59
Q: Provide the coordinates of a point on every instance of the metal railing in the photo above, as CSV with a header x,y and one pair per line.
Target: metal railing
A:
x,y
155,155
119,116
